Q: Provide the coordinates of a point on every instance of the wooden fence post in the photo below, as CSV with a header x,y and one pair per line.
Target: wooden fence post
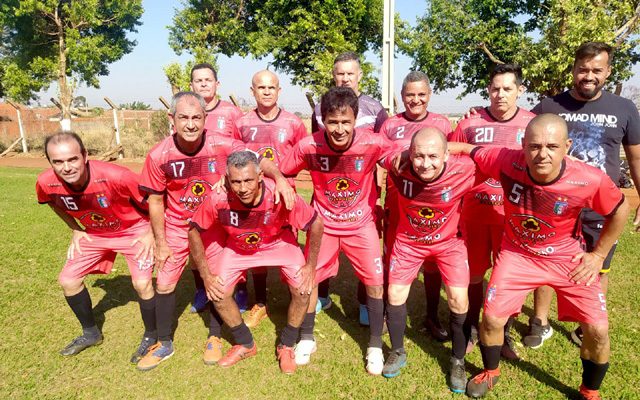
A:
x,y
115,123
22,135
166,105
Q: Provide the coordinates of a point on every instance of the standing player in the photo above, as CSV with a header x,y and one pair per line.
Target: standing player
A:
x,y
258,233
271,132
416,92
429,197
178,174
598,123
100,202
545,194
502,124
342,161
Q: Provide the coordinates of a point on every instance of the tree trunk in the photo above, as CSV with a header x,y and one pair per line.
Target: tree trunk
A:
x,y
66,96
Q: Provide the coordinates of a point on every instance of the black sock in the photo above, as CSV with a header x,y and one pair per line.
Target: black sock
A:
x,y
242,335
323,288
306,329
362,293
507,327
197,279
375,307
148,313
490,356
165,308
476,298
593,374
432,283
289,335
215,321
81,306
397,322
260,286
459,337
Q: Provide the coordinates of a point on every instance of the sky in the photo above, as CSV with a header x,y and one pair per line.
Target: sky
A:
x,y
138,76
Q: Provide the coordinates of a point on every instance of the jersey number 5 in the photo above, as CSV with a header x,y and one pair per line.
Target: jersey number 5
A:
x,y
516,192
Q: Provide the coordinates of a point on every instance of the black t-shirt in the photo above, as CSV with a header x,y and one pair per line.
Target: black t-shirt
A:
x,y
597,127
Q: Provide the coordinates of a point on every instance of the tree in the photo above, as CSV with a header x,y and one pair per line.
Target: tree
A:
x,y
136,105
66,41
179,76
302,36
457,43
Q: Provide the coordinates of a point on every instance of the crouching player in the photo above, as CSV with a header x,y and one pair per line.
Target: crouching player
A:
x,y
545,192
258,234
100,202
429,197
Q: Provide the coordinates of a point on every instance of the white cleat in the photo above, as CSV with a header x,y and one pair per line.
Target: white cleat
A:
x,y
303,351
375,361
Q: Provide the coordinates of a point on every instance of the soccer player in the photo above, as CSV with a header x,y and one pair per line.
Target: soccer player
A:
x,y
502,124
598,122
545,193
221,117
416,92
341,160
179,174
429,197
258,234
101,204
271,132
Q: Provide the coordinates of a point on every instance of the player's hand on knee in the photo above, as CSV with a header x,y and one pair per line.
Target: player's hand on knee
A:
x,y
214,286
589,268
147,246
163,253
307,275
75,247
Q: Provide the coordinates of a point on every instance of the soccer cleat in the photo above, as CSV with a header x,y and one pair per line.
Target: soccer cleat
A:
x,y
242,299
257,313
473,340
143,349
480,384
588,394
364,315
200,301
303,351
237,353
156,354
577,336
324,303
537,333
212,350
375,360
509,350
80,343
457,376
286,359
396,360
436,330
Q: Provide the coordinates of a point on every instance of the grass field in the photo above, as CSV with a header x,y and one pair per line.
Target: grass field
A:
x,y
35,322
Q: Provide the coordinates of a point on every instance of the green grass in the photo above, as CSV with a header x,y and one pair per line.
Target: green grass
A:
x,y
35,322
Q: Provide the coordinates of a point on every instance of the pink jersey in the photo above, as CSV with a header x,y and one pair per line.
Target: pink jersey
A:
x,y
486,199
221,119
271,139
542,219
250,229
344,192
428,213
400,129
186,179
110,202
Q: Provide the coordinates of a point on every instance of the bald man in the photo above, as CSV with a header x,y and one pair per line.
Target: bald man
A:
x,y
271,132
429,197
545,192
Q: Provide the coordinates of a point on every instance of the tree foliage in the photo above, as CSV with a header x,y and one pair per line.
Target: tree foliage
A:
x,y
303,37
457,43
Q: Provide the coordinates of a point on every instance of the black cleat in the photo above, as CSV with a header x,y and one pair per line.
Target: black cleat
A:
x,y
80,343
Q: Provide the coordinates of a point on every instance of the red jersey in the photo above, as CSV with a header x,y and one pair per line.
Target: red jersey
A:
x,y
221,119
429,212
271,139
344,192
543,219
186,179
486,200
250,229
104,205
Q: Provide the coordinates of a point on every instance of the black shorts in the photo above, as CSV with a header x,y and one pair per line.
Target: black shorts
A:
x,y
592,224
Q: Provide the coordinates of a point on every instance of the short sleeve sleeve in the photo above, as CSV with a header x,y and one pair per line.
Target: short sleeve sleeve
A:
x,y
490,160
153,179
302,215
607,198
294,162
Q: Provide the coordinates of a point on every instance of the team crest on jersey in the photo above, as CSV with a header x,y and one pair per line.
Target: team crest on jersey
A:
x,y
491,293
221,123
359,164
212,165
249,240
493,183
425,219
282,135
446,194
102,200
268,153
195,193
560,206
345,193
92,220
529,229
520,136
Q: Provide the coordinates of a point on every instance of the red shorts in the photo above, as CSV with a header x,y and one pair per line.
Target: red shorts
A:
x,y
178,240
483,245
515,275
285,253
450,257
361,248
99,254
